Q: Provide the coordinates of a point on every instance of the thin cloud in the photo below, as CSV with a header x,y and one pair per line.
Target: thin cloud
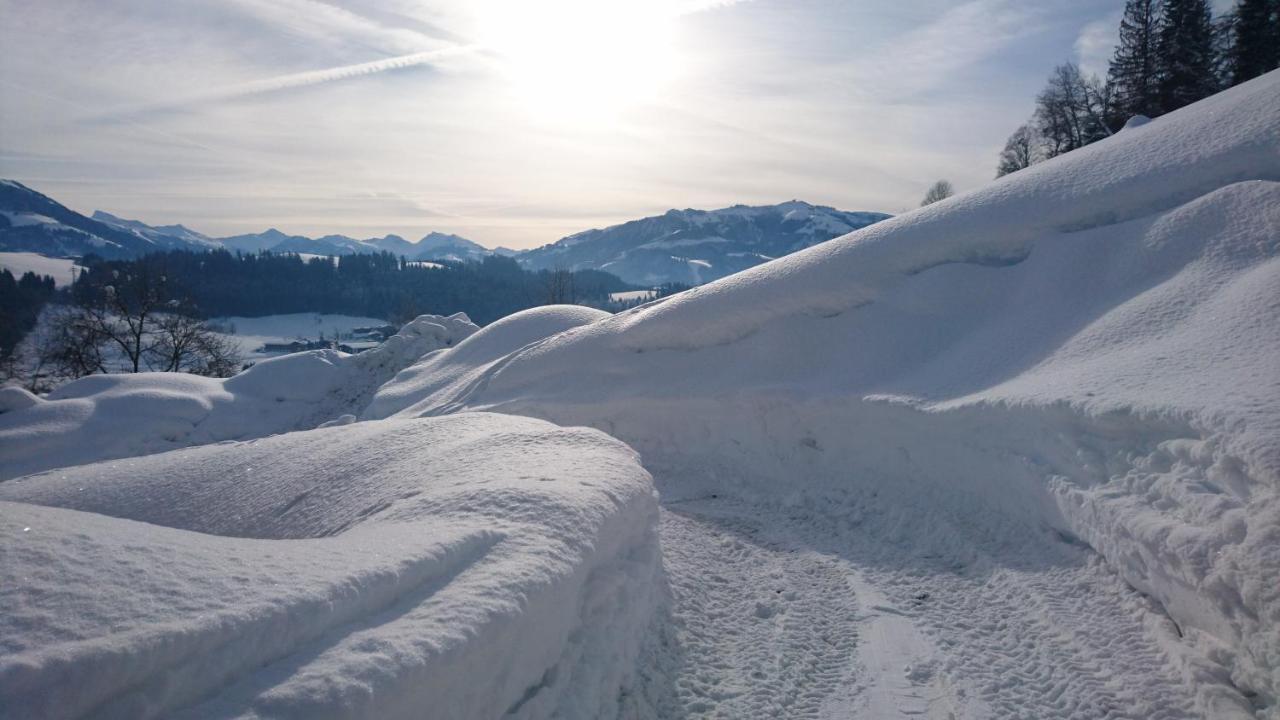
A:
x,y
289,82
324,22
925,57
1095,45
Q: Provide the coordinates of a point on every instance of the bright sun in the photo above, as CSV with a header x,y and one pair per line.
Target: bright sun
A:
x,y
582,58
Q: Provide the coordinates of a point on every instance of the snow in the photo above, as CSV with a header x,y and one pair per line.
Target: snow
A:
x,y
21,219
1012,455
682,242
1082,352
62,270
308,257
111,416
252,333
630,295
16,398
474,565
476,357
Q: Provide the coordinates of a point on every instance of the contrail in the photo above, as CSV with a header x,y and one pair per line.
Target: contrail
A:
x,y
288,82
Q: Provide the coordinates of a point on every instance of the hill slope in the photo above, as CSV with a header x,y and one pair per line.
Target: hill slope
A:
x,y
32,222
1079,358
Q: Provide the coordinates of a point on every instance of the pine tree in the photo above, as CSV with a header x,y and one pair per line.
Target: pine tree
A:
x,y
1255,46
1184,51
1134,73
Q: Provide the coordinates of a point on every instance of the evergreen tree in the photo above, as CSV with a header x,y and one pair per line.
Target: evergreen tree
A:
x,y
1255,40
1134,73
1224,42
1184,51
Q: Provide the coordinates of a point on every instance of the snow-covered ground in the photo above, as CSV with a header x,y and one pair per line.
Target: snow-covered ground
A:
x,y
1081,354
630,295
60,269
1015,454
459,567
252,333
111,416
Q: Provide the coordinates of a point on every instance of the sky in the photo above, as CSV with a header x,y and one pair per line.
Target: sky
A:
x,y
516,122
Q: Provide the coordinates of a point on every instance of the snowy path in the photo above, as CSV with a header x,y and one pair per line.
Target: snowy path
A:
x,y
779,614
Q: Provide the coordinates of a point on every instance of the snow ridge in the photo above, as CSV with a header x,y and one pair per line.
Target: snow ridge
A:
x,y
373,569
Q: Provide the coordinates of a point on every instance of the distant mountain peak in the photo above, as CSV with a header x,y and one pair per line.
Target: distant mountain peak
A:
x,y
434,239
696,246
33,222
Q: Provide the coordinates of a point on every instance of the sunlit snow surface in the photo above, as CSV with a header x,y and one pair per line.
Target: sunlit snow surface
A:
x,y
1080,355
1015,454
377,570
62,270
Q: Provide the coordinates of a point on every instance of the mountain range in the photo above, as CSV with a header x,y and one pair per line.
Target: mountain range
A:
x,y
698,246
686,246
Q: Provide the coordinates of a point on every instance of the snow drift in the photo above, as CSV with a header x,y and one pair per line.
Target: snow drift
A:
x,y
473,359
111,416
462,567
1082,351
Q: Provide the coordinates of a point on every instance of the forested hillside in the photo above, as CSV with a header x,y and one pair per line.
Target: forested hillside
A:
x,y
376,285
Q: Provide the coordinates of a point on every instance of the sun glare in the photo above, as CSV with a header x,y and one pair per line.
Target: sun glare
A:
x,y
582,58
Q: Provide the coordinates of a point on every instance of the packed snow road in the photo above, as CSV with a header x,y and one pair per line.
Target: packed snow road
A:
x,y
777,613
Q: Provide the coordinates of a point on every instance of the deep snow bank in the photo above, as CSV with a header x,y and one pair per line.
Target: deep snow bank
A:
x,y
459,567
474,357
111,416
1084,349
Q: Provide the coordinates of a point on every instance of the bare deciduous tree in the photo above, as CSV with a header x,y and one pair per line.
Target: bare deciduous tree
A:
x,y
1019,151
940,190
74,345
134,319
184,343
1072,111
125,312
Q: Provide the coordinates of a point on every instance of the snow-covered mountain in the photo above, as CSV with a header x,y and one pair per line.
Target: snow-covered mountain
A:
x,y
698,246
33,222
688,246
442,246
165,235
433,246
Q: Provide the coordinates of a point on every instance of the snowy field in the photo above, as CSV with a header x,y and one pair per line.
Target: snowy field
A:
x,y
18,263
251,334
630,295
1012,455
111,416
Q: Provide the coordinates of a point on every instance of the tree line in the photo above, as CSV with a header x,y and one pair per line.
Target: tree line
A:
x,y
151,313
382,285
1170,54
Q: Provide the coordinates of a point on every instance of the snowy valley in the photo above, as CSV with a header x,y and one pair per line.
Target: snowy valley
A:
x,y
1015,454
